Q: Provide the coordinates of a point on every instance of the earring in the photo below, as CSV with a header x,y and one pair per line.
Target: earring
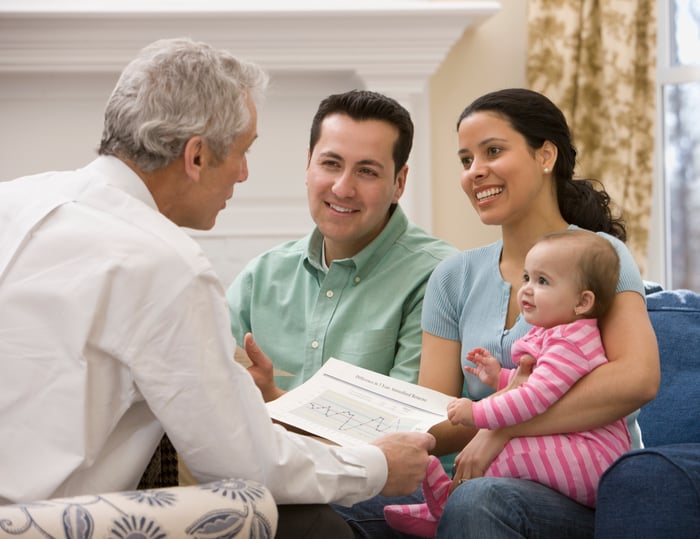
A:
x,y
546,170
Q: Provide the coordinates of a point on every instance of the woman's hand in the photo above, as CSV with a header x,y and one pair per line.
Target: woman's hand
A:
x,y
525,366
478,455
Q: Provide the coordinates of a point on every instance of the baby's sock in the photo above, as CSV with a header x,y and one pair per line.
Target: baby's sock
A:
x,y
413,519
421,519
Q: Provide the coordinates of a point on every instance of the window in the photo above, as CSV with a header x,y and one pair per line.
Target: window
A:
x,y
679,87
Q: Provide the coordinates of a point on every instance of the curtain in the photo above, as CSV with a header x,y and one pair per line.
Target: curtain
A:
x,y
596,60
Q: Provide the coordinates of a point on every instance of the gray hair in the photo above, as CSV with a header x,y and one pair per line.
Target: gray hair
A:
x,y
173,90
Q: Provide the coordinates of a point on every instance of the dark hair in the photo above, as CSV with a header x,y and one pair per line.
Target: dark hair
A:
x,y
537,119
366,105
598,266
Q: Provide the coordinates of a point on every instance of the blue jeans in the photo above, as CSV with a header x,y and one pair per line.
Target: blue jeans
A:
x,y
500,508
367,518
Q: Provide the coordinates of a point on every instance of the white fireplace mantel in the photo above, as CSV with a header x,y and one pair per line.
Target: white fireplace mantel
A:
x,y
60,58
395,45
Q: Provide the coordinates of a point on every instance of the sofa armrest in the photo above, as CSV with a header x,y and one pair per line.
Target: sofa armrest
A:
x,y
228,508
672,417
651,493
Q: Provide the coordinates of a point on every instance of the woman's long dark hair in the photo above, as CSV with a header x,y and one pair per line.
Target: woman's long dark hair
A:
x,y
537,119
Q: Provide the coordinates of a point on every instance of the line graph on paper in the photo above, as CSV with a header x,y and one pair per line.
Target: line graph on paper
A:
x,y
364,422
349,405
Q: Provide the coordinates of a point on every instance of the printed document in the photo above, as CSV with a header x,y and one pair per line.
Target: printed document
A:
x,y
350,405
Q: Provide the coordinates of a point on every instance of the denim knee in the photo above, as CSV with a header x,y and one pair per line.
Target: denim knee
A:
x,y
475,509
505,508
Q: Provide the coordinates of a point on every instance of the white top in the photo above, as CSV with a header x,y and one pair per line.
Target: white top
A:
x,y
113,323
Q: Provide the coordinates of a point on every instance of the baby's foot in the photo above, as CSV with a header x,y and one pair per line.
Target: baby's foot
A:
x,y
413,519
421,519
436,487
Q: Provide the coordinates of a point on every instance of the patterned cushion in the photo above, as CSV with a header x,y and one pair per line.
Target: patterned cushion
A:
x,y
229,508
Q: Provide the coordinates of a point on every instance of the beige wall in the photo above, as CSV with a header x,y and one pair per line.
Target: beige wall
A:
x,y
487,58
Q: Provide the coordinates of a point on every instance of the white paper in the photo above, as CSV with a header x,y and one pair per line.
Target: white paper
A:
x,y
350,405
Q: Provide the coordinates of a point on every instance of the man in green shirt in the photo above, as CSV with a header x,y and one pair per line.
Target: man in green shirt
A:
x,y
353,288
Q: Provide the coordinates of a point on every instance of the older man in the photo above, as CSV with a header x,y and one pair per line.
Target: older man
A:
x,y
113,326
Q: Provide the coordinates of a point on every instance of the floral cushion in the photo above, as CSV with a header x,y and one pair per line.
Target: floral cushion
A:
x,y
222,509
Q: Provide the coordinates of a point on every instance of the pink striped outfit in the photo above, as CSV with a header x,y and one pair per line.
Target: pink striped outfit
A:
x,y
570,463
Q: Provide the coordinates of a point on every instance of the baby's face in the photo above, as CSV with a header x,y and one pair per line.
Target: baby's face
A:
x,y
550,289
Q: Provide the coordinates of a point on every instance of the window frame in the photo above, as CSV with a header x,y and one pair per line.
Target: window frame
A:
x,y
659,259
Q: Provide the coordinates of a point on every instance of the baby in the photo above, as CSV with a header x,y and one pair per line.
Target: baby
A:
x,y
569,282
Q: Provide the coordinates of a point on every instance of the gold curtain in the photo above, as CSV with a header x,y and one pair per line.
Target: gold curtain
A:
x,y
596,60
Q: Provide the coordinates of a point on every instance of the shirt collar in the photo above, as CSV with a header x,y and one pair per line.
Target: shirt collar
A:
x,y
368,257
117,174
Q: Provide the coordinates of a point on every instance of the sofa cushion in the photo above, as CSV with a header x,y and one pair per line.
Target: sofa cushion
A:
x,y
674,416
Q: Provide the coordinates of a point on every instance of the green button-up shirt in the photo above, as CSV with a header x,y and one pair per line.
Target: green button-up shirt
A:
x,y
365,310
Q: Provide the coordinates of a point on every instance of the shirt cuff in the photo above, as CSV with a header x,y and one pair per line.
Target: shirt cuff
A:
x,y
373,460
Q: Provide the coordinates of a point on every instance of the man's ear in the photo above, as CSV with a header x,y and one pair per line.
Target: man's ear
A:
x,y
585,303
308,164
193,157
400,182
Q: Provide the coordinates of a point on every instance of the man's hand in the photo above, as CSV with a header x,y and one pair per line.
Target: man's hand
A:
x,y
407,460
261,369
478,455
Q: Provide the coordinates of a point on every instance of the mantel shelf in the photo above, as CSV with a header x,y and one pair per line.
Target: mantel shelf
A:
x,y
394,44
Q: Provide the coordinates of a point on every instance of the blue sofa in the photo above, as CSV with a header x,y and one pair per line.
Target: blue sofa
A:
x,y
655,492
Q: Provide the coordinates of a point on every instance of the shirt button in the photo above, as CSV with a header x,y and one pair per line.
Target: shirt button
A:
x,y
314,344
358,279
329,294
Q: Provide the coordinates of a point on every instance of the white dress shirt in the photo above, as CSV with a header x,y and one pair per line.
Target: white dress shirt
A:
x,y
113,327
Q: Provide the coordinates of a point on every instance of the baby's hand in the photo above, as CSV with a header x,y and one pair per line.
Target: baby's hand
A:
x,y
487,369
459,412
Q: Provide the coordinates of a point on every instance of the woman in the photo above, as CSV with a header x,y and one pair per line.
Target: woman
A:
x,y
518,160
